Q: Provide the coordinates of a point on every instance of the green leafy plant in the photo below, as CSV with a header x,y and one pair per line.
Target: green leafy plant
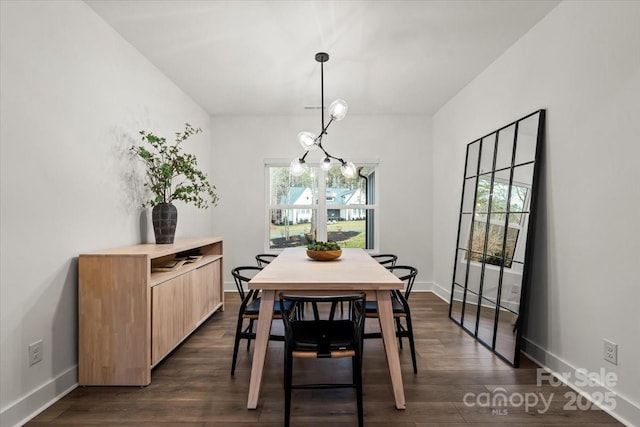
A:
x,y
173,174
323,246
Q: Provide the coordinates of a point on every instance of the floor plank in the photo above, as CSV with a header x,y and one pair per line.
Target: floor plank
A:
x,y
193,386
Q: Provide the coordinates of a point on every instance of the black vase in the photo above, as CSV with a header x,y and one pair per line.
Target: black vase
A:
x,y
165,218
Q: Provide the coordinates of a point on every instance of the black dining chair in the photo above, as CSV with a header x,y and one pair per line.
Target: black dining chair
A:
x,y
400,306
265,259
383,259
386,259
249,310
322,338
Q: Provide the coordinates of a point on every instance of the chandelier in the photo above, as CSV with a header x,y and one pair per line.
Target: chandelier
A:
x,y
309,141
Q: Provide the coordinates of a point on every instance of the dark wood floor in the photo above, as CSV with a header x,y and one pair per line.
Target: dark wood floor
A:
x,y
193,386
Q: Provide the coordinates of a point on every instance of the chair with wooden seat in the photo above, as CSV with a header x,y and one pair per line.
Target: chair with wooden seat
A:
x,y
321,338
400,306
265,259
249,310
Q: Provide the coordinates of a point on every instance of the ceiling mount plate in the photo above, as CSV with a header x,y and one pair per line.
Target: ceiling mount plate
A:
x,y
322,57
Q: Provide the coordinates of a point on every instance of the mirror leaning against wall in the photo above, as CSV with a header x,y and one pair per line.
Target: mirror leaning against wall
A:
x,y
495,233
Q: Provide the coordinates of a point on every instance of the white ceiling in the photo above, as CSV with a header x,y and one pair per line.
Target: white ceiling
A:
x,y
257,57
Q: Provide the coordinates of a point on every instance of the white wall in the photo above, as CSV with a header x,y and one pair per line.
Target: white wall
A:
x,y
74,95
581,63
401,144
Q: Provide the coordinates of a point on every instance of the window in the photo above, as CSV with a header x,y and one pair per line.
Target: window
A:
x,y
320,205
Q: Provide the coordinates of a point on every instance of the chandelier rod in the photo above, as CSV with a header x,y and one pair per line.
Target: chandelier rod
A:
x,y
322,97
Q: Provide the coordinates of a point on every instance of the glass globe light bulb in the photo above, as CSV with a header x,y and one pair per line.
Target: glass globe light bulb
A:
x,y
326,164
297,167
307,140
338,109
348,169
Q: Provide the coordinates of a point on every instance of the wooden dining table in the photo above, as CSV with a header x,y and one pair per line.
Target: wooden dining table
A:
x,y
293,272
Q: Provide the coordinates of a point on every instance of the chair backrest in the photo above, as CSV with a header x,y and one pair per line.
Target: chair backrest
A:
x,y
357,304
386,259
242,275
264,259
407,274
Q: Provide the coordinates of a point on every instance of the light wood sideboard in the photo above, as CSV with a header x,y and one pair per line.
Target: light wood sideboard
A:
x,y
132,316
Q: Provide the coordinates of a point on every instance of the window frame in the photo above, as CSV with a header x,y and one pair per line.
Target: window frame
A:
x,y
321,207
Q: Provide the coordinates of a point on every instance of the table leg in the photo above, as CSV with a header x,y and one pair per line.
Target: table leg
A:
x,y
387,327
260,347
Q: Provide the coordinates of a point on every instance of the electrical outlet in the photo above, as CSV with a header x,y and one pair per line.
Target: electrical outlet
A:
x,y
611,352
35,353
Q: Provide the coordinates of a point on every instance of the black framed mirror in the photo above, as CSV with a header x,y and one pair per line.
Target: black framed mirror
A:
x,y
495,233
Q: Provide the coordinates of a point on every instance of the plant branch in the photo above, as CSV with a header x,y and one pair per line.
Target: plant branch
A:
x,y
167,163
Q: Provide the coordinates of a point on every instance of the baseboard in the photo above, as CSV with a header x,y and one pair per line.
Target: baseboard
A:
x,y
625,411
26,408
443,293
419,286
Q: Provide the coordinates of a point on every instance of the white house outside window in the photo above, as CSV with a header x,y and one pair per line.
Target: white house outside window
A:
x,y
321,206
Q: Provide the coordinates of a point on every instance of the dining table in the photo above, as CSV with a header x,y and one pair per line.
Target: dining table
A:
x,y
293,272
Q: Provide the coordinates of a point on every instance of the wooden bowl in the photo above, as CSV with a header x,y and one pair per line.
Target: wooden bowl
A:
x,y
324,255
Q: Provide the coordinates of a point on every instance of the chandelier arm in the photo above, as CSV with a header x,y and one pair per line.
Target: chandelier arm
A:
x,y
323,150
342,162
318,140
326,154
324,129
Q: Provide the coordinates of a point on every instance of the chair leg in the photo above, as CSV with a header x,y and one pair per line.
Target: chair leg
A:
x,y
286,368
399,329
412,344
288,375
357,374
354,375
236,344
332,311
249,330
